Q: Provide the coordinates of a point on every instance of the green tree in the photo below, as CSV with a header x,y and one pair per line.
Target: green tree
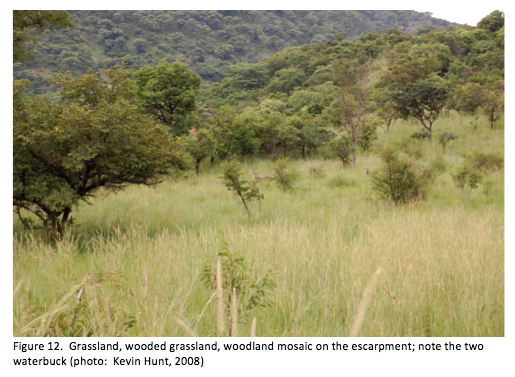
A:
x,y
168,91
247,191
397,180
493,22
200,144
97,137
248,76
445,139
286,80
352,98
342,147
423,100
405,72
26,25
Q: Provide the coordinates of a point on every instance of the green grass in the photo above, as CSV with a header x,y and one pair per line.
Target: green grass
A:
x,y
139,253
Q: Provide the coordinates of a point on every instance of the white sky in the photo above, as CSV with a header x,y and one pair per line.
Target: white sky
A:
x,y
470,14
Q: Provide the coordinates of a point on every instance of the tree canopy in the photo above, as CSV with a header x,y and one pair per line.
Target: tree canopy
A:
x,y
168,91
97,137
26,24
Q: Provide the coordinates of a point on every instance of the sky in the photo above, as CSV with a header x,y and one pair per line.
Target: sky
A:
x,y
460,15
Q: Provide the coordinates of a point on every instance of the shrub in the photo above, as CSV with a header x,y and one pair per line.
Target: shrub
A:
x,y
240,187
483,162
284,176
397,180
369,134
467,179
341,147
445,139
421,135
252,289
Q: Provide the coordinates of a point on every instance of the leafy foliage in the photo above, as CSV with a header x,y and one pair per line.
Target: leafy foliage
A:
x,y
209,42
283,175
252,291
26,24
467,177
247,191
423,100
97,137
168,91
342,147
445,139
397,180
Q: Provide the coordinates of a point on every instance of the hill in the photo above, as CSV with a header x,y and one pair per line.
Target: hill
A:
x,y
208,41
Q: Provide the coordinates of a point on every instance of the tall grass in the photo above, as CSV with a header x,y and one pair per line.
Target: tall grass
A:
x,y
136,256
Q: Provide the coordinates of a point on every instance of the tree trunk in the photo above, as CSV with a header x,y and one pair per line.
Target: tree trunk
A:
x,y
197,166
354,153
247,208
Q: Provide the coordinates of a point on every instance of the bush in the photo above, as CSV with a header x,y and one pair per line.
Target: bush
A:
x,y
341,147
397,180
467,178
252,289
369,134
421,135
247,191
483,162
285,177
445,139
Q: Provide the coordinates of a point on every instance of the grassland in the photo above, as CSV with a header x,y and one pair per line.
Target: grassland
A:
x,y
138,255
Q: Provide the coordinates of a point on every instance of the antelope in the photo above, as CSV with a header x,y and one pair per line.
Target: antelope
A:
x,y
260,179
370,172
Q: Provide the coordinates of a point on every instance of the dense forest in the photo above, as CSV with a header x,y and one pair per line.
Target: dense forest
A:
x,y
207,41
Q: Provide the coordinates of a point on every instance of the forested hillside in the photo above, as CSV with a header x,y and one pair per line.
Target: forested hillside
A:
x,y
207,41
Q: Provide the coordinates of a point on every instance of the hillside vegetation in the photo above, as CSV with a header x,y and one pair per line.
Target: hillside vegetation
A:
x,y
207,41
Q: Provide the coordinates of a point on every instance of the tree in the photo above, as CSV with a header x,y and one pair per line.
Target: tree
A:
x,y
97,137
26,25
342,147
168,91
490,97
200,144
368,134
248,76
405,72
397,180
352,98
493,22
445,139
491,100
240,187
423,100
